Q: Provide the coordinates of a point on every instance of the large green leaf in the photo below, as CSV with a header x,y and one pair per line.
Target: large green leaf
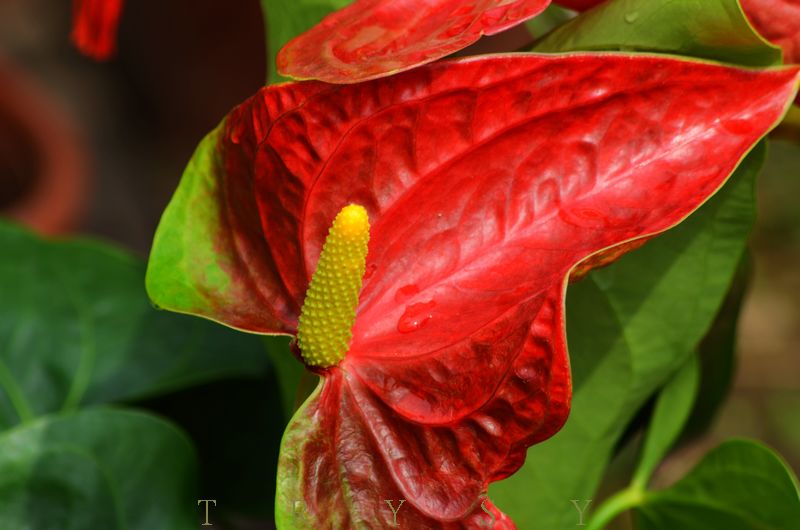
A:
x,y
76,328
717,351
285,20
97,469
740,485
673,406
711,29
629,327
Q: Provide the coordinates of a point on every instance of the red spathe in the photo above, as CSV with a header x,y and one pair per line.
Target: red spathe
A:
x,y
486,180
375,38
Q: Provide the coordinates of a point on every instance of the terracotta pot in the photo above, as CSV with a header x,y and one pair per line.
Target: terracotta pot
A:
x,y
43,169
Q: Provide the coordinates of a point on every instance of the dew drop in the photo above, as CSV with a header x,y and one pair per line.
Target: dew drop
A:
x,y
405,293
415,316
630,18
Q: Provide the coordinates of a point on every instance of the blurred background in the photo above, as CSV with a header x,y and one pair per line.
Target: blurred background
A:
x,y
123,129
98,148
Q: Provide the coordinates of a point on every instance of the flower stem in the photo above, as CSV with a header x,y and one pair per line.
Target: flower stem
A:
x,y
621,501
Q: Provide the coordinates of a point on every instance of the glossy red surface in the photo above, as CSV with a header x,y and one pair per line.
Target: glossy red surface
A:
x,y
375,38
486,181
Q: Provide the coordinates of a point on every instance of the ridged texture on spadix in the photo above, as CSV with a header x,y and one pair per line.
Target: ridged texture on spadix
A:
x,y
329,310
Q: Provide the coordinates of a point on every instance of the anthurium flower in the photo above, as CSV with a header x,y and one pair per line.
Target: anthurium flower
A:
x,y
94,27
465,192
373,38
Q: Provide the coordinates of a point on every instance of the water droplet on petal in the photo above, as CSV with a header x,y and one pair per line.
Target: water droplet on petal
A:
x,y
415,316
405,293
630,18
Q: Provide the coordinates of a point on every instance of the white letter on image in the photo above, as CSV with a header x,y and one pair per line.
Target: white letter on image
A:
x,y
580,512
207,501
394,512
489,525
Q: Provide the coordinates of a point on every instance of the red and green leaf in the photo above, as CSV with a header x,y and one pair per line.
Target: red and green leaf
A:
x,y
375,38
779,22
94,27
487,181
719,31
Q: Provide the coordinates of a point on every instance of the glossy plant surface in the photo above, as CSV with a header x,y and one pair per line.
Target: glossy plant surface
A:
x,y
374,38
776,20
486,181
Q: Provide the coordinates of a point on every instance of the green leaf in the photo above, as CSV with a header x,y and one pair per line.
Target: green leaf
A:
x,y
629,326
740,485
172,262
552,17
717,353
285,20
103,468
76,328
709,29
673,406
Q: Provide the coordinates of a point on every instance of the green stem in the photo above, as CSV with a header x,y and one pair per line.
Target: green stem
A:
x,y
15,394
620,502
